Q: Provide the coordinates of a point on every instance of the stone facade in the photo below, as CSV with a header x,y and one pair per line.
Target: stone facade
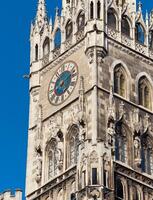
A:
x,y
91,138
7,195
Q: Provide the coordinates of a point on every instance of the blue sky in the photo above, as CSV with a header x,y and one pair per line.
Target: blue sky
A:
x,y
16,17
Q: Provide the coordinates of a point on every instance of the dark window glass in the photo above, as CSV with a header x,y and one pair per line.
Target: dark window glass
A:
x,y
36,52
139,34
119,190
81,21
94,176
57,40
98,9
91,10
111,19
125,28
69,29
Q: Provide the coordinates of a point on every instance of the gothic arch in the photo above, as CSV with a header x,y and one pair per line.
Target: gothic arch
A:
x,y
50,158
149,83
57,38
147,152
68,29
126,25
46,46
127,74
123,142
80,20
72,141
112,18
140,33
121,188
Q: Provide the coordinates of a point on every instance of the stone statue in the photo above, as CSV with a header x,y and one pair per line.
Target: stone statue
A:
x,y
137,147
38,167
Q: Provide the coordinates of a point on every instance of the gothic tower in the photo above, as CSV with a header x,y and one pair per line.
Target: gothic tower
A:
x,y
91,102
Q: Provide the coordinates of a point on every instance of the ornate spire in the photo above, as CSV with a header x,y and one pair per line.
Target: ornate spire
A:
x,y
41,16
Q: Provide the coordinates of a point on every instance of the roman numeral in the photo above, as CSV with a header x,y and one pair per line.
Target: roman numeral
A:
x,y
72,83
52,97
57,99
73,75
62,97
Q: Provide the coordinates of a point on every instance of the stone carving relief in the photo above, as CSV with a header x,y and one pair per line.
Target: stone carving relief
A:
x,y
137,151
107,163
38,170
94,157
110,133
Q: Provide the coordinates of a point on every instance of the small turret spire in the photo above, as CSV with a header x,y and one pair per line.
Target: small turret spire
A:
x,y
41,16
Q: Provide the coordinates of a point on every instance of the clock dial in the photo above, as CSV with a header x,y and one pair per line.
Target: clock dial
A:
x,y
63,82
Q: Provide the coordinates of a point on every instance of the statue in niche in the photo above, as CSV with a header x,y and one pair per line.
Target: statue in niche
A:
x,y
38,174
110,133
137,150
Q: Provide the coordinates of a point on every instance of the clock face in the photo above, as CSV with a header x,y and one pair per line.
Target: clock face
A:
x,y
63,83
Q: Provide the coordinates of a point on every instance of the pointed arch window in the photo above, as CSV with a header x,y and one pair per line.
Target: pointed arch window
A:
x,y
122,143
111,18
46,47
144,90
57,39
51,151
98,9
91,10
72,146
147,153
125,27
135,193
120,84
80,21
69,29
119,190
139,33
36,52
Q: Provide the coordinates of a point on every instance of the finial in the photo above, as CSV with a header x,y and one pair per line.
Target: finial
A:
x,y
147,18
57,11
140,6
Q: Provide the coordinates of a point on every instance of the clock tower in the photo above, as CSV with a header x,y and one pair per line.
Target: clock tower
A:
x,y
90,114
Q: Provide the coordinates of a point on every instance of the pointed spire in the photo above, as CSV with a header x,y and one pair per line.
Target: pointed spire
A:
x,y
41,16
140,6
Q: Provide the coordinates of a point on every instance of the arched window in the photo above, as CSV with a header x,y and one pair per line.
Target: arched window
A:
x,y
147,153
36,52
57,38
125,27
144,92
69,29
46,47
91,10
122,142
80,21
139,33
135,193
120,84
111,19
98,9
51,151
119,190
72,146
